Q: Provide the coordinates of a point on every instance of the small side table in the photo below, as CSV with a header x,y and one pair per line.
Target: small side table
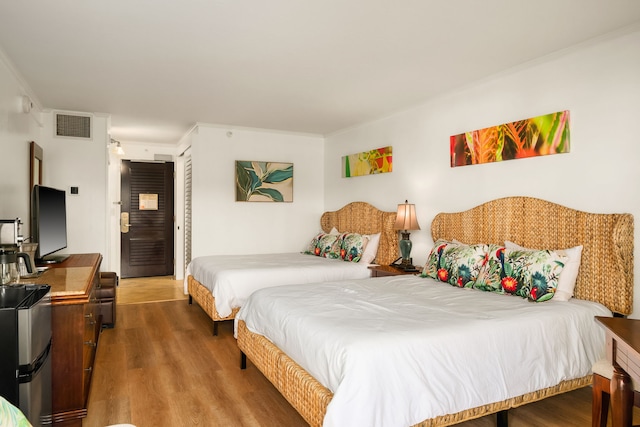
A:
x,y
387,270
623,352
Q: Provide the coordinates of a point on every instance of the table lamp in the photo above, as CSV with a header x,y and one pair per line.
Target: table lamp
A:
x,y
406,220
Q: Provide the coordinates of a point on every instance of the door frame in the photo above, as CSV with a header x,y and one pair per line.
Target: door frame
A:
x,y
142,153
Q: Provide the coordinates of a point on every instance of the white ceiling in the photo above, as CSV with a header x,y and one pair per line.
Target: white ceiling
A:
x,y
159,66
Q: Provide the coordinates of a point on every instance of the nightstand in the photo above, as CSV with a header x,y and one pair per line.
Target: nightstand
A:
x,y
387,270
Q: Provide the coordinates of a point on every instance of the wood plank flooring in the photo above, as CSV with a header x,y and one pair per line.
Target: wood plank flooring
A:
x,y
149,289
161,366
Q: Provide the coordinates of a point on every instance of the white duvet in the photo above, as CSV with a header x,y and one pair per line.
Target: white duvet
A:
x,y
398,350
232,278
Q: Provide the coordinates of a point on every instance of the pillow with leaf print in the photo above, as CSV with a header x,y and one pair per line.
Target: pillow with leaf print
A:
x,y
352,246
326,245
311,247
490,276
321,244
532,274
567,280
457,264
430,268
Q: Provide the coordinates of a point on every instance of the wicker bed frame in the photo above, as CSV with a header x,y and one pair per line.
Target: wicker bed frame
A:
x,y
357,217
606,276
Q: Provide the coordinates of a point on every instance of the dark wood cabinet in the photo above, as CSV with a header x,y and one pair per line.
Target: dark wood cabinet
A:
x,y
75,324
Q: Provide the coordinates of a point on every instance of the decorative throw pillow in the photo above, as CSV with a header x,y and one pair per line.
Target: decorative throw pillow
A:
x,y
460,266
567,280
312,247
352,247
321,244
532,274
430,268
490,276
326,244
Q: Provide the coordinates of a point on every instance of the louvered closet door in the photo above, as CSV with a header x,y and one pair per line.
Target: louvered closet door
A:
x,y
147,219
187,209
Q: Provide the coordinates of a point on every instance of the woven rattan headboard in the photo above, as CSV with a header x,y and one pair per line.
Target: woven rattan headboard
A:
x,y
606,269
361,217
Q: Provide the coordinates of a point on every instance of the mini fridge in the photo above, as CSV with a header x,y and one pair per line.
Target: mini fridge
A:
x,y
25,359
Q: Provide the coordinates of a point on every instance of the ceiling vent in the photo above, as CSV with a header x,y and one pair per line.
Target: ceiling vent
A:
x,y
73,126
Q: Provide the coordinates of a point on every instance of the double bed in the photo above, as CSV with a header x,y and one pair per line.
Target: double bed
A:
x,y
327,347
221,283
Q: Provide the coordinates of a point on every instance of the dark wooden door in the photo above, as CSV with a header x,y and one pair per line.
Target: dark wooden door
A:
x,y
146,219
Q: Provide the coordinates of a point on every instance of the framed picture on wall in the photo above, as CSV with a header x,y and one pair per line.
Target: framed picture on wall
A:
x,y
35,165
258,181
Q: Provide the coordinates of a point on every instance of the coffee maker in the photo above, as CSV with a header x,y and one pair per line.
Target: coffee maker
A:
x,y
12,241
10,232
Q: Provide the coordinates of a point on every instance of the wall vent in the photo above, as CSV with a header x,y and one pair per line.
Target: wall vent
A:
x,y
73,126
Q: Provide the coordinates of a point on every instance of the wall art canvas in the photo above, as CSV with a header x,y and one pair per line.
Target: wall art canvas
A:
x,y
370,162
537,136
264,181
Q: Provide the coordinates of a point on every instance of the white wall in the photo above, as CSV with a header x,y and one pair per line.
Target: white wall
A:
x,y
599,83
223,226
82,163
17,129
66,162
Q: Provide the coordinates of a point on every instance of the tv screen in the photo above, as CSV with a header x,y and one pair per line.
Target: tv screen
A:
x,y
49,223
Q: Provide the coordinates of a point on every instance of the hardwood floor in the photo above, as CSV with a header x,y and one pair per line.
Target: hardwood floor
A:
x,y
149,289
161,366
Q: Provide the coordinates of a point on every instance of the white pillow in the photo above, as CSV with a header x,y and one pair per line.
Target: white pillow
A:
x,y
567,279
371,250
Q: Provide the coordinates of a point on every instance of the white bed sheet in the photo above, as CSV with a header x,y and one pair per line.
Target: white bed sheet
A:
x,y
232,278
398,350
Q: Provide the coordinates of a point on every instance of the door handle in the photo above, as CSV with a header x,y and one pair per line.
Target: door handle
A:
x,y
124,222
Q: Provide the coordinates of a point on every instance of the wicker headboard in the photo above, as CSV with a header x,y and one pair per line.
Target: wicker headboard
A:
x,y
362,218
606,269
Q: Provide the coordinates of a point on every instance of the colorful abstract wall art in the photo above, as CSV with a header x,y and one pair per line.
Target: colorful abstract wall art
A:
x,y
370,162
537,136
264,181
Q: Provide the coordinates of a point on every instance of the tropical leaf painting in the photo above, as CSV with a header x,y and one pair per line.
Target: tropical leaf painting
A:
x,y
537,136
264,181
370,162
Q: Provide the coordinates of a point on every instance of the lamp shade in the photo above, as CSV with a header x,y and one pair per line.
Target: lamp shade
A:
x,y
406,219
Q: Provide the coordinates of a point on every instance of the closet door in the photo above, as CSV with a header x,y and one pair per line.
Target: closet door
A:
x,y
187,209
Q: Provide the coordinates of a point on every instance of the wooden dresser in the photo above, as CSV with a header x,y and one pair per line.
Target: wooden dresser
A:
x,y
75,325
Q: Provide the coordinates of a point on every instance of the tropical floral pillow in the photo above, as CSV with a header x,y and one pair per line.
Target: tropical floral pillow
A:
x,y
311,247
532,274
326,245
321,245
352,246
489,278
430,268
455,263
567,281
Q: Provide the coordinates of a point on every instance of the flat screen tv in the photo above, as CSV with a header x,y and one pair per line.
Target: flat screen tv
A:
x,y
48,223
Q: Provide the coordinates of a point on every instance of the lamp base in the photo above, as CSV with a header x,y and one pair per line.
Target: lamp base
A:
x,y
405,250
